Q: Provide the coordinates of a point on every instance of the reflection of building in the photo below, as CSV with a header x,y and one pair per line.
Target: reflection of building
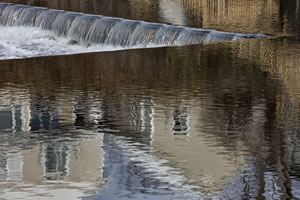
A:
x,y
77,165
181,122
55,160
43,165
251,16
211,147
171,12
183,135
43,117
193,153
221,14
132,116
14,110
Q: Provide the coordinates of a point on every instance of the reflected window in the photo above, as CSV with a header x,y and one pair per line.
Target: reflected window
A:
x,y
11,118
80,110
44,117
180,122
56,160
6,121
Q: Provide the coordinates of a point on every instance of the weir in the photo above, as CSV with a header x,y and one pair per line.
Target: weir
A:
x,y
87,29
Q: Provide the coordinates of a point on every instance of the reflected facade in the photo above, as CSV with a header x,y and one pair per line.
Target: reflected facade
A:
x,y
221,119
209,113
67,167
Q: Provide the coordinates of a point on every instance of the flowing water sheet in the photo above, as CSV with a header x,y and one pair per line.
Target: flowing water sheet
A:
x,y
52,32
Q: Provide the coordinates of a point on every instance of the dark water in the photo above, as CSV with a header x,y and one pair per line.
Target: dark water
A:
x,y
213,121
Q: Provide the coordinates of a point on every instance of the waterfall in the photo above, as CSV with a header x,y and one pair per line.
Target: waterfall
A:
x,y
92,29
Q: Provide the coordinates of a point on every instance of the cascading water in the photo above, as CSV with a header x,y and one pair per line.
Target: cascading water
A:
x,y
27,31
91,29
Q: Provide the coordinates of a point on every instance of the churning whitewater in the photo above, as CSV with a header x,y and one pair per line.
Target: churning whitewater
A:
x,y
26,42
32,31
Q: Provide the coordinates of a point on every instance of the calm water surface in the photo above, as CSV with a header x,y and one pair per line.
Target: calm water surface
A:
x,y
213,121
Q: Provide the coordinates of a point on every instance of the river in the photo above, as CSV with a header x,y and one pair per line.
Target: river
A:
x,y
216,120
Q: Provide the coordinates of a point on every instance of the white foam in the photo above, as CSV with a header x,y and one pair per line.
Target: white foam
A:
x,y
26,42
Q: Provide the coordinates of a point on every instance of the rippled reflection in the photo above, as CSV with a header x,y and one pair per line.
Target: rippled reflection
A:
x,y
41,159
217,121
206,121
